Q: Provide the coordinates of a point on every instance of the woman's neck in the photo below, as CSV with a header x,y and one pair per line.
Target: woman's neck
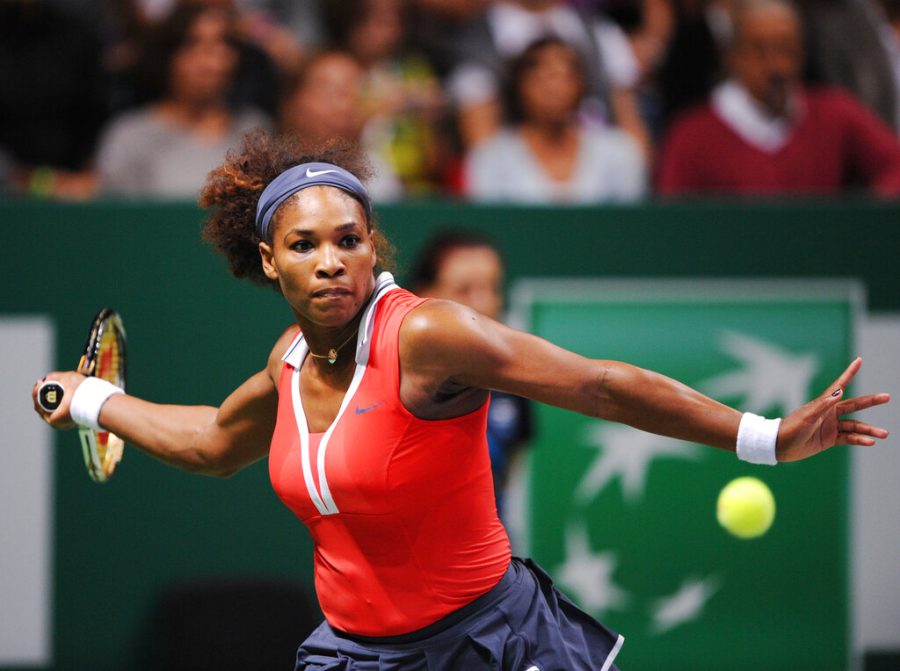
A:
x,y
551,131
555,146
326,340
327,346
210,118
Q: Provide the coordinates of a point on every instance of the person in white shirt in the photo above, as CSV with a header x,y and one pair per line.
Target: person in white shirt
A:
x,y
549,153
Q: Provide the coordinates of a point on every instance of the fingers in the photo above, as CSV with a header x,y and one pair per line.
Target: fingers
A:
x,y
857,403
34,399
59,417
861,429
837,388
34,394
854,439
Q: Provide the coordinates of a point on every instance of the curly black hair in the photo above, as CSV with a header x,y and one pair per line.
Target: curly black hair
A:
x,y
233,189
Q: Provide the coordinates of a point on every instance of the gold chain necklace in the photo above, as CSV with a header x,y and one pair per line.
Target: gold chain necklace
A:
x,y
333,352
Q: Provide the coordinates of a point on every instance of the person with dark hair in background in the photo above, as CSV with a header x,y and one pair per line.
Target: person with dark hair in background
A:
x,y
138,49
406,113
547,153
500,34
166,148
467,267
326,101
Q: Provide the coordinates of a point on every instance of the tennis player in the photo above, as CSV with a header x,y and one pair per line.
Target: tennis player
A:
x,y
372,411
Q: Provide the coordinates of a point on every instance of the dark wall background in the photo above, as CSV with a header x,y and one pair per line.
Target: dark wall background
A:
x,y
195,333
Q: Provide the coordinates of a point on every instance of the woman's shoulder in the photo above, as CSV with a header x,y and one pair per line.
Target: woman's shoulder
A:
x,y
135,122
504,140
497,151
433,320
129,136
284,342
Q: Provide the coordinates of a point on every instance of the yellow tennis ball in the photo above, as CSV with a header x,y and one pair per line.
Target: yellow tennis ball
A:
x,y
746,507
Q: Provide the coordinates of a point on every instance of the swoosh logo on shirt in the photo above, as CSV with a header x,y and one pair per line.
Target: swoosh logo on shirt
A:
x,y
315,173
360,411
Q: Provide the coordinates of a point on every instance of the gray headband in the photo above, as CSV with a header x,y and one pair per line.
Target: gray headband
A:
x,y
300,177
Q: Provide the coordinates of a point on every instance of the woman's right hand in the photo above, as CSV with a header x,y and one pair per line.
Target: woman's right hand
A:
x,y
69,381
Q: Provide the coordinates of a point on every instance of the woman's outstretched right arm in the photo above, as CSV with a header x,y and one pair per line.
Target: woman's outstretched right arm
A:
x,y
200,439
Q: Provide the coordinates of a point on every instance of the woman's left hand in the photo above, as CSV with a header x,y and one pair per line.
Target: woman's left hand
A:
x,y
818,425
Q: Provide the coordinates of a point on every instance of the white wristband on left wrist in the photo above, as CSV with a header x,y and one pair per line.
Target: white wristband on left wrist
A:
x,y
756,439
88,399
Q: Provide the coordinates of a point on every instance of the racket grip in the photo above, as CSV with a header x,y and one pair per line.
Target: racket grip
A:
x,y
50,395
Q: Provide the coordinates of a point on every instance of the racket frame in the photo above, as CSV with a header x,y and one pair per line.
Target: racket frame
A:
x,y
102,450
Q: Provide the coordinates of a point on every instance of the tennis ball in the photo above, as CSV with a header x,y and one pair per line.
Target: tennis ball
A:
x,y
746,507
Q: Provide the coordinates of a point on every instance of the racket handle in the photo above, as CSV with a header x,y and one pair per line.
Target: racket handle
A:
x,y
50,395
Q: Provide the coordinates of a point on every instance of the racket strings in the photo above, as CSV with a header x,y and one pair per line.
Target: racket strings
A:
x,y
104,358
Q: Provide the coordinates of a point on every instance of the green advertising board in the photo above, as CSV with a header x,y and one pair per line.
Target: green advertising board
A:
x,y
625,520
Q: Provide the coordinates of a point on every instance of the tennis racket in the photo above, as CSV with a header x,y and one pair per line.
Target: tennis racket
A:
x,y
104,357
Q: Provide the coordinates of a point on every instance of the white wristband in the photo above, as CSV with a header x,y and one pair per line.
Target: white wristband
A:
x,y
90,396
756,439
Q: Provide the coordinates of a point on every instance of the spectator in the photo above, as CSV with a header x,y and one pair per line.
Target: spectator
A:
x,y
52,99
325,103
466,267
503,32
763,132
403,96
548,153
267,52
166,148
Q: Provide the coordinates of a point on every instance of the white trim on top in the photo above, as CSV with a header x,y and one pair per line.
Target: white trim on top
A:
x,y
321,496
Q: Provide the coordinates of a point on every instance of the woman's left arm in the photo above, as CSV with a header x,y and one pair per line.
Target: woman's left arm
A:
x,y
443,340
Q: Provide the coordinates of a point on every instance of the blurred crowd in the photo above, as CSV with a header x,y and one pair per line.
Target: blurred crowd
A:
x,y
525,101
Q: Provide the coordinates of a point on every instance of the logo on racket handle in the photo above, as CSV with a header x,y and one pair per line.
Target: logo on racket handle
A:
x,y
50,395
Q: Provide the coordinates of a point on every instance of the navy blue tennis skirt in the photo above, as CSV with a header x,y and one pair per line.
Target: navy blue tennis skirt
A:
x,y
522,624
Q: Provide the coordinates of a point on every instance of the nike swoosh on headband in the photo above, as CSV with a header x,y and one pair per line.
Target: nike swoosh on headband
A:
x,y
295,178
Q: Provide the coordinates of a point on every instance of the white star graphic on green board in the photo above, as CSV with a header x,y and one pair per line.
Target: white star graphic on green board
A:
x,y
607,516
587,575
770,377
626,453
685,605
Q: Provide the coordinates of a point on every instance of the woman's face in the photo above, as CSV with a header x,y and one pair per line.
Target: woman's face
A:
x,y
551,89
380,31
328,103
322,256
202,67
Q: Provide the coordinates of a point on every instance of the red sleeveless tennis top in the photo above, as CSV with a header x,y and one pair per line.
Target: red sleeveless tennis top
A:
x,y
401,510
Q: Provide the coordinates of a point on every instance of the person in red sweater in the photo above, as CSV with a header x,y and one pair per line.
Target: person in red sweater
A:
x,y
763,132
